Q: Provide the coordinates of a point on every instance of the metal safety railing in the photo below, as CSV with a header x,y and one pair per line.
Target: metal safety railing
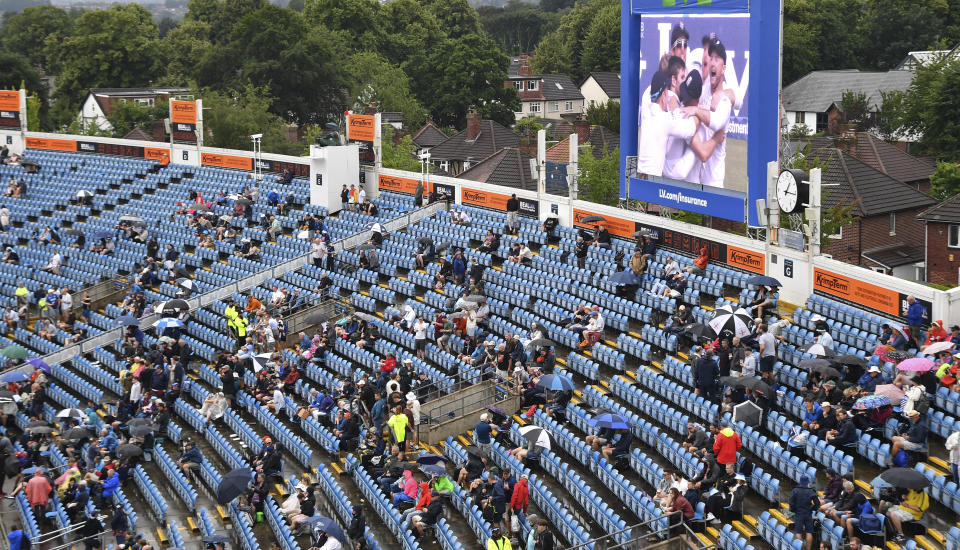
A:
x,y
640,531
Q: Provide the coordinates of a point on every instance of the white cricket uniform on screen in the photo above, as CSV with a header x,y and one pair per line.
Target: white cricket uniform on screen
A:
x,y
657,127
680,161
714,169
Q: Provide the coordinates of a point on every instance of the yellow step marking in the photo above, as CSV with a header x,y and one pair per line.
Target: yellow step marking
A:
x,y
224,517
162,537
631,374
192,524
744,529
937,536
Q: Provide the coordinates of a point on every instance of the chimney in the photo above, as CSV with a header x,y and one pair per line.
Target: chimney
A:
x,y
582,127
525,68
473,124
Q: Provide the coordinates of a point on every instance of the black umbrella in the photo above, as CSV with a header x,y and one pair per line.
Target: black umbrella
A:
x,y
174,306
364,247
139,421
200,208
233,485
905,478
541,343
37,423
431,459
897,355
126,451
426,241
6,393
244,201
748,382
625,278
141,431
318,318
593,218
473,450
698,331
76,434
763,280
820,365
443,246
848,359
74,232
42,430
476,298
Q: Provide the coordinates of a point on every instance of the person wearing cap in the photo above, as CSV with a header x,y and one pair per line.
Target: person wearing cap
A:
x,y
498,541
190,459
657,124
826,422
803,501
915,438
870,379
481,433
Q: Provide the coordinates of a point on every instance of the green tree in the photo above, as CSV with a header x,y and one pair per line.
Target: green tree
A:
x,y
358,18
371,78
410,29
28,33
556,5
130,115
295,5
563,50
605,114
927,109
601,45
456,17
945,181
527,127
185,48
891,28
518,27
800,39
15,74
855,109
599,179
166,25
230,118
112,48
221,15
399,156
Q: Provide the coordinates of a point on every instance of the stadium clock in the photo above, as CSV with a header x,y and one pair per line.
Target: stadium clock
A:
x,y
792,190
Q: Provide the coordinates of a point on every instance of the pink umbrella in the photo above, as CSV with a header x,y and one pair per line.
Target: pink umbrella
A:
x,y
916,364
893,392
938,347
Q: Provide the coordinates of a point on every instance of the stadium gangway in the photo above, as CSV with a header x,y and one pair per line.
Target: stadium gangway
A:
x,y
62,532
608,541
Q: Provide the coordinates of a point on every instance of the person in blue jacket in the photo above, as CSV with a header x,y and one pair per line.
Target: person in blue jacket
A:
x,y
18,540
914,320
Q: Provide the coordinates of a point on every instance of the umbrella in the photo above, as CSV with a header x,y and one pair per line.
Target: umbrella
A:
x,y
593,218
496,410
896,355
624,278
328,526
103,235
166,339
15,352
459,315
748,382
473,450
916,364
425,241
143,430
76,434
697,331
476,298
555,382
215,539
38,363
364,247
431,459
74,232
443,246
244,201
747,412
71,413
37,423
6,393
139,422
727,321
643,233
540,343
128,321
174,306
201,208
905,478
42,430
318,318
14,376
83,194
433,469
763,280
126,451
938,347
131,219
819,365
848,359
260,361
32,470
893,392
871,402
536,435
363,316
819,350
186,283
610,420
233,484
167,322
226,218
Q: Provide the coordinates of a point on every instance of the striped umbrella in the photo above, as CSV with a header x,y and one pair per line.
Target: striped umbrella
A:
x,y
555,382
871,402
167,322
728,322
610,420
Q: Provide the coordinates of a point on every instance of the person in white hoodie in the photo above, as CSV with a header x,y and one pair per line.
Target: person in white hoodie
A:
x,y
953,447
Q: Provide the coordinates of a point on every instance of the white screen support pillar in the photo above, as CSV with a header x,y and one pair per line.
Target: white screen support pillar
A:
x,y
330,169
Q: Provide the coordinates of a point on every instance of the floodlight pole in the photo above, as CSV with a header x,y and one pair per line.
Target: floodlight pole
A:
x,y
257,170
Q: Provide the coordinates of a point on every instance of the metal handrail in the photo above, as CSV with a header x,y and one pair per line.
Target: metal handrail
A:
x,y
657,532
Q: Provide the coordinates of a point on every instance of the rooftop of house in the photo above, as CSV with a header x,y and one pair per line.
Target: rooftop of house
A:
x,y
508,167
608,82
819,90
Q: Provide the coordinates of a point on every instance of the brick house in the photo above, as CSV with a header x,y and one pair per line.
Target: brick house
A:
x,y
888,158
887,236
549,96
942,231
479,140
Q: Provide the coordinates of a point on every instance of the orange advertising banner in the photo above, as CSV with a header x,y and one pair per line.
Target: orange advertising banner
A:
x,y
616,226
484,199
401,185
52,144
866,294
361,127
156,153
183,112
10,100
746,259
226,161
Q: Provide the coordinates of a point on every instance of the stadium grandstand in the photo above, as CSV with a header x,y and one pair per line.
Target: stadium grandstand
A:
x,y
197,358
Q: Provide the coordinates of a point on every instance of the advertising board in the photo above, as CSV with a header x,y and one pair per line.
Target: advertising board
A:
x,y
10,109
183,121
226,161
362,129
400,185
498,201
701,129
877,298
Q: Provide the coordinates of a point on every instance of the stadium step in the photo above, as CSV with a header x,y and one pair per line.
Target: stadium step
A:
x,y
519,420
781,517
631,374
864,486
222,514
194,528
940,463
937,536
744,529
336,468
925,543
162,537
892,545
705,540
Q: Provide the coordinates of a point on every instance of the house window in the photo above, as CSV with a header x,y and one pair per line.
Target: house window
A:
x,y
531,85
145,102
568,106
800,117
535,107
519,85
554,106
893,223
953,236
838,235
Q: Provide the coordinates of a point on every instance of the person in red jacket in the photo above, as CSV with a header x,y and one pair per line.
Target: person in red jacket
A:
x,y
422,502
521,497
726,446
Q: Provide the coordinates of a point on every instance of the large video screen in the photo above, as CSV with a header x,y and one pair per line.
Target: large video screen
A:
x,y
688,106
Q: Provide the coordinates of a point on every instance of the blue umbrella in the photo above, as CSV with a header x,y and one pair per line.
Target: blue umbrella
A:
x,y
32,470
128,321
555,382
328,526
610,420
40,364
763,280
167,322
433,469
14,376
431,459
874,401
625,278
103,234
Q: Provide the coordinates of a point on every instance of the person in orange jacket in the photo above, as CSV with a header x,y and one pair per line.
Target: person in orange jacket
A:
x,y
726,445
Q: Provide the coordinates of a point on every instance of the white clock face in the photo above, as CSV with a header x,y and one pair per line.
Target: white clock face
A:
x,y
787,189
